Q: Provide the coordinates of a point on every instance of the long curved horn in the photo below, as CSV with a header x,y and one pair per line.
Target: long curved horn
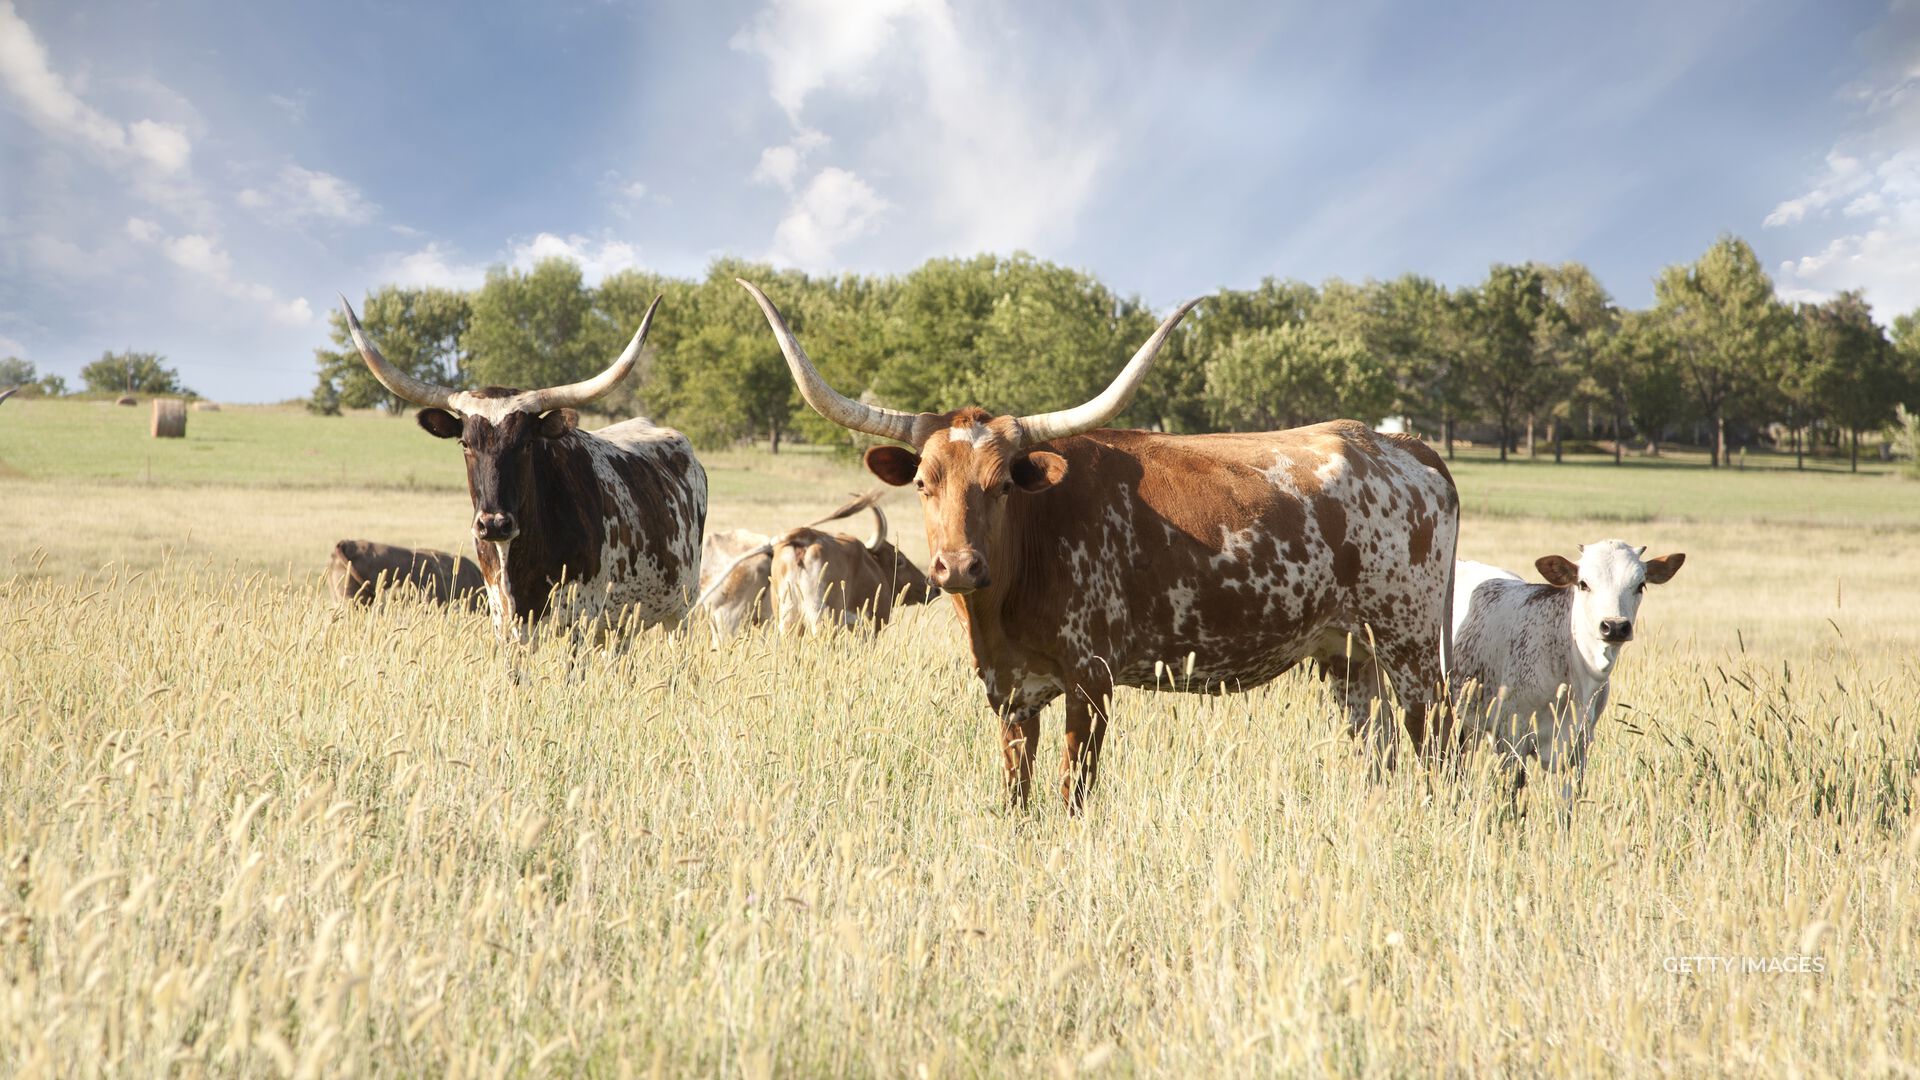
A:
x,y
828,402
407,387
576,394
1059,425
879,528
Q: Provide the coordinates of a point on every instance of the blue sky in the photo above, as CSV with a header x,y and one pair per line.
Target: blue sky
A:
x,y
201,179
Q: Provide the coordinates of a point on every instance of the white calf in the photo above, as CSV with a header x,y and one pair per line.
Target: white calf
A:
x,y
1531,662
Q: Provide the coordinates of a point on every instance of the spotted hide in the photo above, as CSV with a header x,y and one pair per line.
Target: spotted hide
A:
x,y
1081,558
570,526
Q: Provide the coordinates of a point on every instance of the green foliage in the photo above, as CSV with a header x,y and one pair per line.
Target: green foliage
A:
x,y
419,331
1853,374
21,374
1295,374
534,329
1018,334
1725,326
132,373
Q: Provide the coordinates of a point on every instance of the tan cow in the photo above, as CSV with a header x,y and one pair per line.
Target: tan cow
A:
x,y
360,570
824,580
735,570
1081,558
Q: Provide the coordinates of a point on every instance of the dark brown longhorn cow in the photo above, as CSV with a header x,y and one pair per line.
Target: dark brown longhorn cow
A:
x,y
568,524
1081,558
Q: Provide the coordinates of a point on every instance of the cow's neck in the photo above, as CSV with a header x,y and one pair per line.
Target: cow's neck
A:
x,y
1584,685
545,542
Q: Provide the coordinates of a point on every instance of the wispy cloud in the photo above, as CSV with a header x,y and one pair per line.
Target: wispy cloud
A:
x,y
203,257
435,266
297,195
955,130
1862,208
53,106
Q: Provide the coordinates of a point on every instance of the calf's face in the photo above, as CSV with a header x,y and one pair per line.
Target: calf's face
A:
x,y
1608,584
965,474
499,450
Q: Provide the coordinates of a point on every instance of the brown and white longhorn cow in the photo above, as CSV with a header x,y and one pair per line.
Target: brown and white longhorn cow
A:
x,y
1081,559
568,524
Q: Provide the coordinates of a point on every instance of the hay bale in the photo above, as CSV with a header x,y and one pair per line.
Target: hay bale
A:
x,y
206,406
126,399
169,418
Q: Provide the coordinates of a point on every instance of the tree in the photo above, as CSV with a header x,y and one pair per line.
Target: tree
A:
x,y
1723,323
724,379
418,331
533,329
1511,319
1572,343
21,374
132,373
1295,374
1853,374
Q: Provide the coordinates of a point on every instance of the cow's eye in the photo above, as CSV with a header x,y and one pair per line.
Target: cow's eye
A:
x,y
1583,586
919,485
1640,588
1005,486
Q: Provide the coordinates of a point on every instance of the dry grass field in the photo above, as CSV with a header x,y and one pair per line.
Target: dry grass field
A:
x,y
244,831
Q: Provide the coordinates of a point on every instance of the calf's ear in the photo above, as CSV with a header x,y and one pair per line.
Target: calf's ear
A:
x,y
1039,470
558,423
1559,572
1661,570
439,423
893,464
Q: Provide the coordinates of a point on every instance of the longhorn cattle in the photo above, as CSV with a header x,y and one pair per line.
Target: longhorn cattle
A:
x,y
822,580
1533,663
359,570
1081,558
736,568
818,579
568,524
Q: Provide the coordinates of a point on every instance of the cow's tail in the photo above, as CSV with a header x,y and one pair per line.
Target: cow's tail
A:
x,y
859,503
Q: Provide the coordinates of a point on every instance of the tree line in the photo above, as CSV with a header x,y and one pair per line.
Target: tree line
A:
x,y
1532,351
114,373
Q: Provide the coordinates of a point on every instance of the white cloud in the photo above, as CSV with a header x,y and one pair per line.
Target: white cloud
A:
x,y
1862,211
57,109
809,44
967,141
779,164
431,267
202,256
298,194
836,207
596,259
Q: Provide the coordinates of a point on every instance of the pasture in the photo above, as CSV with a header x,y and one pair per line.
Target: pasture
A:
x,y
243,830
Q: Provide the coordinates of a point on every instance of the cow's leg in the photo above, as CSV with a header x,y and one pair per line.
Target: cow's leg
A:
x,y
1019,738
1359,680
1413,669
1086,732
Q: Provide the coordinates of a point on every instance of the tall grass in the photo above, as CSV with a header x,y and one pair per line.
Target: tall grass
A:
x,y
243,831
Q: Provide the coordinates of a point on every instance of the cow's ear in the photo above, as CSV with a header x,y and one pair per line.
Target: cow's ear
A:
x,y
440,423
1557,570
1661,570
1039,470
895,465
558,423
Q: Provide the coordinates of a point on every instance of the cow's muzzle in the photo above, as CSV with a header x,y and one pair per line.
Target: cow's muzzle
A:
x,y
1616,631
959,571
495,527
